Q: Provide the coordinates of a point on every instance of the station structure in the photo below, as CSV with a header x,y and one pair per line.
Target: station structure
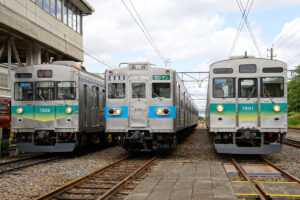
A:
x,y
39,31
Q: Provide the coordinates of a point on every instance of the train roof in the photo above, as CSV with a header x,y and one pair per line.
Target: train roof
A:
x,y
126,66
246,57
71,64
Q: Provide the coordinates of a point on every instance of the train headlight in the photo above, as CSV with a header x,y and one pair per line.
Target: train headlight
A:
x,y
159,111
118,111
20,110
276,108
220,108
69,110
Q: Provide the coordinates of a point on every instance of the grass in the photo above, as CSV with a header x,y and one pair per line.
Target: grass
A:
x,y
294,120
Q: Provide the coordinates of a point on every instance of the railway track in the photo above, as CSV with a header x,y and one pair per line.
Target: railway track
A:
x,y
256,186
23,163
290,142
102,183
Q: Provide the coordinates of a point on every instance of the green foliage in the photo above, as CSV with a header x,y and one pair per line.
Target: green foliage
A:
x,y
294,120
294,93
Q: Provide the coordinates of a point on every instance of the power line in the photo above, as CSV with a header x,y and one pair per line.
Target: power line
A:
x,y
288,38
241,25
249,27
97,58
144,30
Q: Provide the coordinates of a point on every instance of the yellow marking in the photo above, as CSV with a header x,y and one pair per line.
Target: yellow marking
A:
x,y
279,195
272,182
239,181
245,194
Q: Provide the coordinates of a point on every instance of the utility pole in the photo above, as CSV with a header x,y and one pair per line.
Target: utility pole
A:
x,y
272,56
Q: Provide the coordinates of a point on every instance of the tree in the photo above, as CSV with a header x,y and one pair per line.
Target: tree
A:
x,y
294,92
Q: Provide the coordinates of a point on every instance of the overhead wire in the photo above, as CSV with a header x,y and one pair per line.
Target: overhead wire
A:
x,y
249,27
144,30
241,25
275,42
97,58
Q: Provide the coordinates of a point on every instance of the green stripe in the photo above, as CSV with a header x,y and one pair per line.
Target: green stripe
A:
x,y
44,113
229,110
267,109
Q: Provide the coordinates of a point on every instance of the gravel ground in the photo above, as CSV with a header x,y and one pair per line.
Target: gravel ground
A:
x,y
36,180
195,147
288,159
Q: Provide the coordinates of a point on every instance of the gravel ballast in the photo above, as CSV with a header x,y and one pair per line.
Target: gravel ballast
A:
x,y
34,181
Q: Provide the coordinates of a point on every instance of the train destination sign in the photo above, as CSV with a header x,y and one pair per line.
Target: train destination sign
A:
x,y
161,77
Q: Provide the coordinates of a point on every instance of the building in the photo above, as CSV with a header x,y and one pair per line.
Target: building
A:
x,y
38,31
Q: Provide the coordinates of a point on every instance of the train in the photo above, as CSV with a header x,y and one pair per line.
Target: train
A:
x,y
5,116
57,107
247,105
147,106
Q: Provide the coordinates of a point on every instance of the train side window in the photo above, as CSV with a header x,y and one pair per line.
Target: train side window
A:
x,y
161,90
272,70
116,90
223,71
247,87
66,90
272,87
3,108
249,68
23,91
224,87
138,90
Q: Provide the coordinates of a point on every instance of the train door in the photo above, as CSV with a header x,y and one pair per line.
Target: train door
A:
x,y
138,102
247,103
85,106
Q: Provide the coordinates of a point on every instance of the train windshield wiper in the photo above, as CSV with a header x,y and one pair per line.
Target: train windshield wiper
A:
x,y
268,94
251,93
41,96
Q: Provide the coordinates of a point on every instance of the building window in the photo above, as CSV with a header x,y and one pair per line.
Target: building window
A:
x,y
47,5
70,17
65,14
40,2
52,7
79,22
58,9
74,18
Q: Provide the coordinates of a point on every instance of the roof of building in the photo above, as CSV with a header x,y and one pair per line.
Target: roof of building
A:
x,y
84,6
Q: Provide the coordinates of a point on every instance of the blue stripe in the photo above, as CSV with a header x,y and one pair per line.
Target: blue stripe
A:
x,y
152,112
124,113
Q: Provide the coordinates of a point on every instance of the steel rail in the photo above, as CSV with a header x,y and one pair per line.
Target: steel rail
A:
x,y
110,192
292,177
242,172
75,182
26,165
293,143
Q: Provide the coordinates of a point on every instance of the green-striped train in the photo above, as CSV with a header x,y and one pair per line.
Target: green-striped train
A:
x,y
57,107
247,105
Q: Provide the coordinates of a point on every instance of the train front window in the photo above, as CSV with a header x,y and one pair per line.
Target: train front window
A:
x,y
24,91
247,87
116,90
161,90
3,108
223,88
272,87
138,90
66,90
44,91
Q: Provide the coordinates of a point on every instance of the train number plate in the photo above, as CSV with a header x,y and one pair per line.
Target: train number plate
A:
x,y
161,77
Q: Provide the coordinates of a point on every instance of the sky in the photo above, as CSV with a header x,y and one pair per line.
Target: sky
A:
x,y
192,34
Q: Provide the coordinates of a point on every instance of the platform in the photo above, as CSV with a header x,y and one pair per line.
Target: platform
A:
x,y
261,170
244,190
280,190
201,180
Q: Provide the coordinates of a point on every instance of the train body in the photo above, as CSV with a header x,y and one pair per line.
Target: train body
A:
x,y
147,105
57,107
247,105
5,117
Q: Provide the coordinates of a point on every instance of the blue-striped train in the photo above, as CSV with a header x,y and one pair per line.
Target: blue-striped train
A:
x,y
57,107
147,105
247,105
